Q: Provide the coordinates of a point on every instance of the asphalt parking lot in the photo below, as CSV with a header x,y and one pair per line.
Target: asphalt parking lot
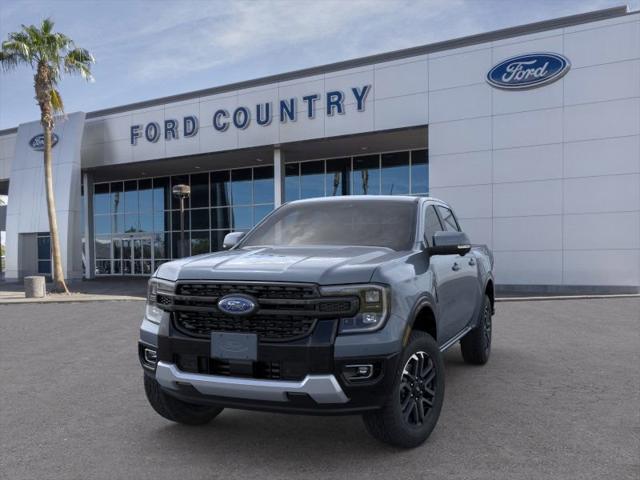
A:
x,y
559,399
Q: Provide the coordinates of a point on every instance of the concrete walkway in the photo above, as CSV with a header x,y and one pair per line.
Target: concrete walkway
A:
x,y
103,289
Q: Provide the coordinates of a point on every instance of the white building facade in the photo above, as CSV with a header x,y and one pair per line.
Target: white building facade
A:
x,y
531,133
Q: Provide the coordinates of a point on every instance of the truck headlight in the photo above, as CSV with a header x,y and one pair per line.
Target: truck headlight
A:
x,y
374,306
157,288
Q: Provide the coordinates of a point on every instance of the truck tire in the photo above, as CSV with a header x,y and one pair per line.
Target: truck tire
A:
x,y
412,410
176,410
476,345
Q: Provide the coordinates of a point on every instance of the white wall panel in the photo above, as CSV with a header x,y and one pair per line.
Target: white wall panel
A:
x,y
470,168
548,41
303,129
527,198
616,193
527,128
212,140
460,136
540,162
528,268
542,232
602,82
456,70
603,45
473,201
398,112
602,231
549,96
351,122
403,79
459,103
602,267
345,82
608,156
601,120
478,230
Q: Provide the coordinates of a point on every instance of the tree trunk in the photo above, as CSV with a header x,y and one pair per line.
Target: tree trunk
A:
x,y
59,284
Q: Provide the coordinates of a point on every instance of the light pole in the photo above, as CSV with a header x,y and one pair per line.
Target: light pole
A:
x,y
182,192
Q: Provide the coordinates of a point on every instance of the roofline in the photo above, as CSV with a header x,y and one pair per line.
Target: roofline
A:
x,y
494,35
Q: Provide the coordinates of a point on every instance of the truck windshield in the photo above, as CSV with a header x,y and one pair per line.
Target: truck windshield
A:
x,y
378,223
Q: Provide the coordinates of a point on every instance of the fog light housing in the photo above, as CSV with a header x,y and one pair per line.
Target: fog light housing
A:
x,y
150,356
358,372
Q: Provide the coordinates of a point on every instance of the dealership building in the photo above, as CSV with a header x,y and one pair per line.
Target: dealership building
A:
x,y
531,133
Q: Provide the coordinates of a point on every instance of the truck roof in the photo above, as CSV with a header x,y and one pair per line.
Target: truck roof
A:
x,y
367,198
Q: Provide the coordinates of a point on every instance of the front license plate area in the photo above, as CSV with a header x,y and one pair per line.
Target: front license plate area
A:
x,y
234,346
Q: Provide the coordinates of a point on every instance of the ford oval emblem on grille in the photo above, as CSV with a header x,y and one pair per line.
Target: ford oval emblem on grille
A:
x,y
237,305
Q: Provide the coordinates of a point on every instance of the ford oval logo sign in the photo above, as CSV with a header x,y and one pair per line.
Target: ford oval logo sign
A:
x,y
37,142
528,71
237,305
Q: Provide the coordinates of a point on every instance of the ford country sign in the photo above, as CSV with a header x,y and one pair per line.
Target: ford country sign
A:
x,y
528,71
37,142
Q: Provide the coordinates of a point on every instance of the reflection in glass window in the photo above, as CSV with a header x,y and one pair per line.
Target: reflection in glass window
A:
x,y
448,220
117,197
220,189
312,179
337,179
44,267
161,221
175,220
131,222
395,173
161,245
242,218
431,224
145,195
261,211
44,246
217,239
146,222
366,175
199,243
292,182
101,198
175,245
241,186
263,185
102,224
161,194
179,180
221,218
419,171
200,190
200,219
103,247
131,203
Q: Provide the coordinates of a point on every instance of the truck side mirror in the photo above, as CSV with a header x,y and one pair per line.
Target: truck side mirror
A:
x,y
450,243
232,239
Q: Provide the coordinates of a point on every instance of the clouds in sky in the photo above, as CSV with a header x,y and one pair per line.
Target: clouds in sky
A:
x,y
148,49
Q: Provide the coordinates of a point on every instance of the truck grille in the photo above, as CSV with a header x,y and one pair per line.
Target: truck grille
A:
x,y
285,311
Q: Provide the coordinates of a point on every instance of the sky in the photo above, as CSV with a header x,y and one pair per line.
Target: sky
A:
x,y
150,49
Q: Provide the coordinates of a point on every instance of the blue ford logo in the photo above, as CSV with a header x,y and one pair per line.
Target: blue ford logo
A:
x,y
237,305
37,142
528,71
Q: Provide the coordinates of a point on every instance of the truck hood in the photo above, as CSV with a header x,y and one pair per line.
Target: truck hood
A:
x,y
321,265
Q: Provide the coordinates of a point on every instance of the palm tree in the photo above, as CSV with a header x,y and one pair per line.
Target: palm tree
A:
x,y
50,55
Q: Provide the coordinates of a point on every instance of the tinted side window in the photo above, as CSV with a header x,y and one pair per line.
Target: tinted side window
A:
x,y
448,220
431,224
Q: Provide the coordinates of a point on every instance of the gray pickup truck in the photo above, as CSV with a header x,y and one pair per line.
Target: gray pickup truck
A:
x,y
338,305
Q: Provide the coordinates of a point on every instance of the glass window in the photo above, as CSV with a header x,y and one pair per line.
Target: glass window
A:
x,y
131,222
161,194
448,220
366,175
161,221
103,267
117,249
242,218
261,211
337,178
102,224
175,245
199,242
131,203
145,195
200,190
103,247
101,199
292,182
116,198
431,224
263,185
44,267
217,239
117,223
220,189
175,220
200,219
395,173
161,243
44,247
146,222
179,180
221,218
241,186
420,171
312,179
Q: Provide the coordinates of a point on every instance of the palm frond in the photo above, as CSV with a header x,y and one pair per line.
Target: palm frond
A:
x,y
79,61
56,101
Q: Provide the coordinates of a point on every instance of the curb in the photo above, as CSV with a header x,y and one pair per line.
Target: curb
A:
x,y
39,301
565,297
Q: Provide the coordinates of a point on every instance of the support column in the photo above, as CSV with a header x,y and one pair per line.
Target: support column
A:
x,y
89,256
278,176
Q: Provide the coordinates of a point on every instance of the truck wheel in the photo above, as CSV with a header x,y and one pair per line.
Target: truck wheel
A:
x,y
176,410
476,345
413,408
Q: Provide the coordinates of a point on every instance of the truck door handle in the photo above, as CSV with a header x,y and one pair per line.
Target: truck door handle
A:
x,y
472,261
455,267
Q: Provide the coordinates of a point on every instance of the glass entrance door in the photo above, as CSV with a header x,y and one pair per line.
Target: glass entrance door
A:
x,y
133,256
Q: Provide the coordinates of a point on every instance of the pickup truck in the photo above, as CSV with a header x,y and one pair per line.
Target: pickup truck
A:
x,y
340,305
